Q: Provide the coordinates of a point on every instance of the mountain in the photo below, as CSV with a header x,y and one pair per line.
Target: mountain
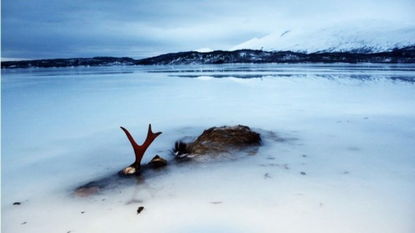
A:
x,y
402,55
357,36
68,62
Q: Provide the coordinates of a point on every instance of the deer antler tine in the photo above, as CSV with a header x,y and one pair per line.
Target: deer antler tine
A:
x,y
130,138
139,150
150,132
149,129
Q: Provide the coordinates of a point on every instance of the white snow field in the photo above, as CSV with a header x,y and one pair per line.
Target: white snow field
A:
x,y
346,163
363,36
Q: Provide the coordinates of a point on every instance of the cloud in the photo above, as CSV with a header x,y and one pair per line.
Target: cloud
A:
x,y
139,28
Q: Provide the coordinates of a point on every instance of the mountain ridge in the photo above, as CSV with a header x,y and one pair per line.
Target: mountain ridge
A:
x,y
351,36
398,55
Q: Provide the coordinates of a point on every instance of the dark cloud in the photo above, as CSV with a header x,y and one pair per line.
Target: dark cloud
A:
x,y
139,28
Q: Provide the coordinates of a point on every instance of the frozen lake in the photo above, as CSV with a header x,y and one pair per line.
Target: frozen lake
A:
x,y
347,163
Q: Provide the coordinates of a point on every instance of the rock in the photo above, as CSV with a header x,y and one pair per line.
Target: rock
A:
x,y
218,140
129,171
141,208
157,162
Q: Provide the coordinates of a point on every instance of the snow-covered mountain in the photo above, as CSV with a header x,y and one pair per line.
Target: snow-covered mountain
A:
x,y
352,36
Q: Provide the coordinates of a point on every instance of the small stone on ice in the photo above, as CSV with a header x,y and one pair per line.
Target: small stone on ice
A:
x,y
129,170
141,208
157,162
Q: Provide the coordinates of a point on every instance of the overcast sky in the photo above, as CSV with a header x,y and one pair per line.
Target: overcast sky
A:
x,y
141,28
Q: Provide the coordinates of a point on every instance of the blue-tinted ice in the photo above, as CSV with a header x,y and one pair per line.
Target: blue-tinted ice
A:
x,y
348,166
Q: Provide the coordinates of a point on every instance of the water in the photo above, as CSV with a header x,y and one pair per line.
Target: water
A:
x,y
347,163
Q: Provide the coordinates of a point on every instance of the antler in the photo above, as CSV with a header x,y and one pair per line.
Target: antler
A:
x,y
140,150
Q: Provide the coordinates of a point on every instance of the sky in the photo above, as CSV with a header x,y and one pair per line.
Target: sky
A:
x,y
33,29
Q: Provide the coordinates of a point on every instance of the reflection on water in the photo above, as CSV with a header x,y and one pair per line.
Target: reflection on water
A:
x,y
401,72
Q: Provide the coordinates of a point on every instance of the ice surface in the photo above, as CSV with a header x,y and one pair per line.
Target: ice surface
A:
x,y
347,163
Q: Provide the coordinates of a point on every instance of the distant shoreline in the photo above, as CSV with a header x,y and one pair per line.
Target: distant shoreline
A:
x,y
401,55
